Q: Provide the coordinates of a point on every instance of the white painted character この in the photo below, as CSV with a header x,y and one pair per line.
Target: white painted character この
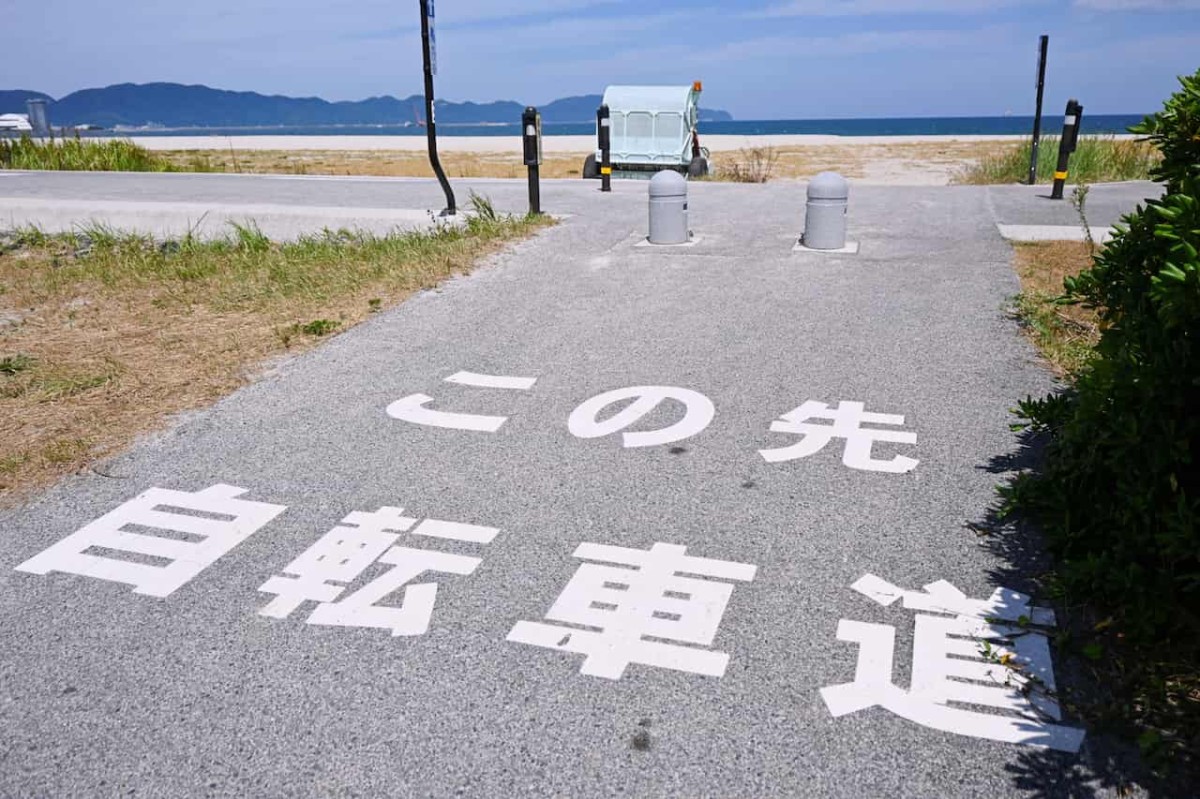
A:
x,y
585,421
414,408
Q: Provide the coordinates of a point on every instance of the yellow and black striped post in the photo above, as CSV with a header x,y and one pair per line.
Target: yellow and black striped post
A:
x,y
603,132
1070,138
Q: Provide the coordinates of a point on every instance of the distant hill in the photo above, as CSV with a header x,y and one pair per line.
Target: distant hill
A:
x,y
12,101
174,105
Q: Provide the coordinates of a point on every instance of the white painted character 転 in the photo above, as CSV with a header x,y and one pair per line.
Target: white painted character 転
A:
x,y
324,571
988,654
634,611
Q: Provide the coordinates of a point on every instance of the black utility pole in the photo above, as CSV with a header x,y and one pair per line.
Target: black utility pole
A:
x,y
531,138
427,38
1043,46
604,133
1070,138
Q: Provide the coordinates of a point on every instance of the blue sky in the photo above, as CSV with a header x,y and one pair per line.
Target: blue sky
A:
x,y
759,59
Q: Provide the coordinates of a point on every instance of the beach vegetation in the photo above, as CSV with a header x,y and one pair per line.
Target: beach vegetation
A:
x,y
83,155
1097,159
747,165
107,333
1117,491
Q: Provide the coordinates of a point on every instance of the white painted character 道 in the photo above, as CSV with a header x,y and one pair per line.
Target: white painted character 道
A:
x,y
627,614
698,413
189,531
413,408
346,551
847,419
982,653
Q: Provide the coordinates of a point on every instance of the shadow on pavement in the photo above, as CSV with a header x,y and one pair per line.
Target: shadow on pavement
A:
x,y
1105,766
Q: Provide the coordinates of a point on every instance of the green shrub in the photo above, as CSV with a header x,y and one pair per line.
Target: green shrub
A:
x,y
112,155
1118,496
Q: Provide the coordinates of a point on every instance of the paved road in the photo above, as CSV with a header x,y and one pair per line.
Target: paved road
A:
x,y
541,672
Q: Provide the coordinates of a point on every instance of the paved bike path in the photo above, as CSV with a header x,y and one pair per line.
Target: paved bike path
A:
x,y
199,693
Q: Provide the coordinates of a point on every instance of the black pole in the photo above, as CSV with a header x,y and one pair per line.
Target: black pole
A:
x,y
604,133
531,134
1043,46
430,126
1070,138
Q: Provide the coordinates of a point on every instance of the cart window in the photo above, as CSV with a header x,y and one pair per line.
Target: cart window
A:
x,y
639,133
668,130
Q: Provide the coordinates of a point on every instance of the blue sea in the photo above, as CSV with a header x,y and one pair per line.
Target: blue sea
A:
x,y
908,126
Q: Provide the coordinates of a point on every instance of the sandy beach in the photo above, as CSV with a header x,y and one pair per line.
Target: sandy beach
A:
x,y
512,144
879,160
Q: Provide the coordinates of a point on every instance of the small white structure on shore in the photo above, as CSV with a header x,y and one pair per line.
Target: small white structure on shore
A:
x,y
15,122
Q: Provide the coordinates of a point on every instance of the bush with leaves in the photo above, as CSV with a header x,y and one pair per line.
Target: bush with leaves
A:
x,y
1118,496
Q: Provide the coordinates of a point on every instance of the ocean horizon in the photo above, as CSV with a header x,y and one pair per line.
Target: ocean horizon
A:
x,y
900,126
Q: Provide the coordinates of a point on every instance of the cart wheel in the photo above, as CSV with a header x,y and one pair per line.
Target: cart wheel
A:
x,y
698,168
590,170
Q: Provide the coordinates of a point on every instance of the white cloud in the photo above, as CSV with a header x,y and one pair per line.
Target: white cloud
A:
x,y
1137,5
862,8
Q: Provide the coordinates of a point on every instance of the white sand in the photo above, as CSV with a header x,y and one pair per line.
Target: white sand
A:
x,y
511,144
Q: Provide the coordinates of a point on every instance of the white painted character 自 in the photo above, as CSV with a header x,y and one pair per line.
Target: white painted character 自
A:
x,y
200,527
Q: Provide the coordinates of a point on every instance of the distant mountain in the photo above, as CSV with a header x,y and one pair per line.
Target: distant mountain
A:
x,y
12,101
174,105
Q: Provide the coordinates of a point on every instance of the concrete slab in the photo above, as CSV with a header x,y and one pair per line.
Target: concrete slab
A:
x,y
851,248
1052,233
209,220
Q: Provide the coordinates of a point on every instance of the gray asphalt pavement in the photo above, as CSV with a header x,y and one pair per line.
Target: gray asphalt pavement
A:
x,y
108,691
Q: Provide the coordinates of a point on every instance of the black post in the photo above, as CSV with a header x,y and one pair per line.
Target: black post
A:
x,y
1043,46
604,133
430,126
531,137
1070,138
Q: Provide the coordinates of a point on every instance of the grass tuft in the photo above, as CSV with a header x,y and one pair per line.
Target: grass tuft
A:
x,y
111,155
748,165
1097,159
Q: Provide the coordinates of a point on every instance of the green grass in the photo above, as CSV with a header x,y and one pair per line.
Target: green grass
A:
x,y
1097,159
246,270
86,155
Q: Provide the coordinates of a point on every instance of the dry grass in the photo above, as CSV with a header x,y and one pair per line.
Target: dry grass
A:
x,y
933,162
386,163
1065,334
99,347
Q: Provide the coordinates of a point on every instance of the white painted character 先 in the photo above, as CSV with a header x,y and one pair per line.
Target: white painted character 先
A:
x,y
414,408
983,653
629,613
847,419
585,422
328,567
202,526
